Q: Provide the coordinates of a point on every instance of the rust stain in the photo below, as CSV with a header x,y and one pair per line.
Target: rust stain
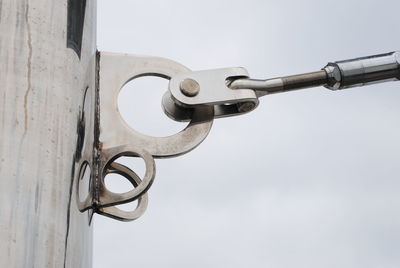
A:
x,y
29,65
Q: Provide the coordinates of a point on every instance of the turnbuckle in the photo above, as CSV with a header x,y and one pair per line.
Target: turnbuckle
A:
x,y
231,92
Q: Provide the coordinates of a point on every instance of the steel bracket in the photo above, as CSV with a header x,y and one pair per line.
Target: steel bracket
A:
x,y
114,138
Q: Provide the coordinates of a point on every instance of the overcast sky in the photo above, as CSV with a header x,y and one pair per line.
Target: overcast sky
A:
x,y
309,179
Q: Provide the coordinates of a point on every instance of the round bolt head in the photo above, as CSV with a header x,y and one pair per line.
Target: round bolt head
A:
x,y
190,87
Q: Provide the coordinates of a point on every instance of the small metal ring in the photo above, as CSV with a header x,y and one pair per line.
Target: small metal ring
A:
x,y
108,198
133,178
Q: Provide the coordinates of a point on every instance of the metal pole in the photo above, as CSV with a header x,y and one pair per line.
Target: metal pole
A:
x,y
47,54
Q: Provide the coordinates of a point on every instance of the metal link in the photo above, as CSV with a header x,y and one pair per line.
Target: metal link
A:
x,y
211,91
133,178
231,92
363,71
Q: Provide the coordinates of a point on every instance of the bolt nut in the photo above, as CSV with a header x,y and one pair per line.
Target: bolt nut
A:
x,y
334,76
189,87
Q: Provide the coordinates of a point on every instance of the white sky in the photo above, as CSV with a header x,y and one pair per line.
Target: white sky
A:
x,y
309,179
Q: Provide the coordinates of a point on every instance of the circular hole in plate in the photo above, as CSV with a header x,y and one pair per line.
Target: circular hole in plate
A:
x,y
139,103
131,206
119,184
136,164
84,182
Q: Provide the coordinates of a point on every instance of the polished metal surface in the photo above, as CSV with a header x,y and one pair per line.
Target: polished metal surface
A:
x,y
194,96
197,97
213,93
281,84
363,71
44,129
117,139
133,178
230,91
189,87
